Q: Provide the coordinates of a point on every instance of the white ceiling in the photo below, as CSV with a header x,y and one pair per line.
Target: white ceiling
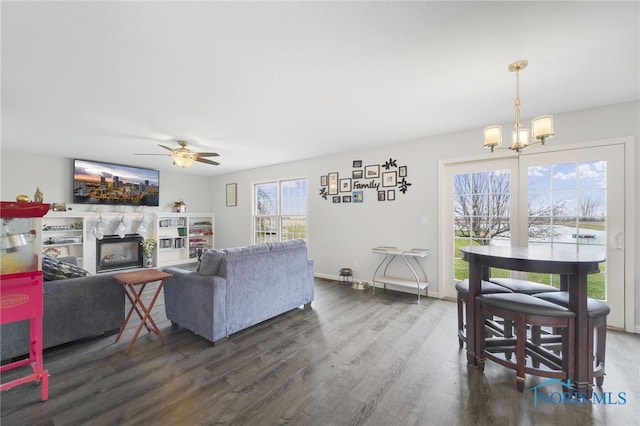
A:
x,y
269,82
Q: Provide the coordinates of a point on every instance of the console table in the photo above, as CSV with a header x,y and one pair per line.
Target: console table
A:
x,y
572,267
393,253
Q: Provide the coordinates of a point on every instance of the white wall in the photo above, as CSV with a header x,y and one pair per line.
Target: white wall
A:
x,y
342,235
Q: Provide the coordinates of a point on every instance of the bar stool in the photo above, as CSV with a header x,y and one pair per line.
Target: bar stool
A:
x,y
523,286
597,312
525,310
462,287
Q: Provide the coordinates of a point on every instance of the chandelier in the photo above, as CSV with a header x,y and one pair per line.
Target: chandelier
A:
x,y
542,127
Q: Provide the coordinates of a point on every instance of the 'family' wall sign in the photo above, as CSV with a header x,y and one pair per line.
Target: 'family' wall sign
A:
x,y
384,179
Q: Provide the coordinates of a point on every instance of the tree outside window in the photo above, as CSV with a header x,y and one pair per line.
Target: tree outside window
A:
x,y
280,210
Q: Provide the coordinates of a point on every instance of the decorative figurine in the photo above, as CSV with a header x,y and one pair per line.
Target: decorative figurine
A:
x,y
38,197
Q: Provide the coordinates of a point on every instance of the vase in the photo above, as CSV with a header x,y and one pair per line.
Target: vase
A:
x,y
148,262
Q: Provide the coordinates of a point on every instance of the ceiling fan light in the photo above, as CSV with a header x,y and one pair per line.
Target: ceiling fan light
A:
x,y
182,161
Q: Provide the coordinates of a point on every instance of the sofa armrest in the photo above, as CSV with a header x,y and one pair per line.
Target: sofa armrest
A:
x,y
197,302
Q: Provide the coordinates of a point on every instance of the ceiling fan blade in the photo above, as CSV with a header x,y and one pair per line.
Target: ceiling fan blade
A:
x,y
207,154
166,147
164,155
204,160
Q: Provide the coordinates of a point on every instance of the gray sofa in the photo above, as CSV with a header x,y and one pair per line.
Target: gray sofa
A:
x,y
236,288
74,308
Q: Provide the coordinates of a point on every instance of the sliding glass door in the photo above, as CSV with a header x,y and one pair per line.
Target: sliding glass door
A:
x,y
561,200
578,205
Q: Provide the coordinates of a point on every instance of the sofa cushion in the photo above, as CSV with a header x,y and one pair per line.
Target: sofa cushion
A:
x,y
54,269
286,245
248,250
210,262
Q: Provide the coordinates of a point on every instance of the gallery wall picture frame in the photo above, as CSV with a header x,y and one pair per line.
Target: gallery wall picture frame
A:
x,y
372,172
232,194
345,185
346,198
336,199
356,174
402,171
333,183
358,196
389,179
324,180
357,163
381,195
391,194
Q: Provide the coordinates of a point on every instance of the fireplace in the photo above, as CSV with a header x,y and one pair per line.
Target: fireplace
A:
x,y
115,253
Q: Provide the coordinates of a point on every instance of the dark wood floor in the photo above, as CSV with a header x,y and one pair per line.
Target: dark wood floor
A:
x,y
354,359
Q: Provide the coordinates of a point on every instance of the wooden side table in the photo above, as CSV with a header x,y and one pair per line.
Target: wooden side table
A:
x,y
129,280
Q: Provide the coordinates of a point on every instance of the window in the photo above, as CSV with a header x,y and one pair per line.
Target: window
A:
x,y
280,211
482,212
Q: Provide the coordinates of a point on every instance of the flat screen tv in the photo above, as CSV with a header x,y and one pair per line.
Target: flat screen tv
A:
x,y
95,182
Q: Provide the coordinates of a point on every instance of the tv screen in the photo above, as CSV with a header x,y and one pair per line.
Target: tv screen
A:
x,y
96,182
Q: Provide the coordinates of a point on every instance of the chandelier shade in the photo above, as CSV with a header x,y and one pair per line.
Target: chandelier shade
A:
x,y
542,127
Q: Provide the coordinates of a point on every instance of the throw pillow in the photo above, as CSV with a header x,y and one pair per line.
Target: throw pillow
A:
x,y
53,269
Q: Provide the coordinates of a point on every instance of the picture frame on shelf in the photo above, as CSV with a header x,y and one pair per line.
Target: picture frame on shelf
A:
x,y
56,251
232,194
372,172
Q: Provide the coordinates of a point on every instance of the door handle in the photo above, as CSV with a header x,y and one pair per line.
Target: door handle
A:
x,y
617,240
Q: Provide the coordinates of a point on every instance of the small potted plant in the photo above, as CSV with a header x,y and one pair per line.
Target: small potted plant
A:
x,y
148,245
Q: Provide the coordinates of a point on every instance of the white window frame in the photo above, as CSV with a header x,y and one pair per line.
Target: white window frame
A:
x,y
278,217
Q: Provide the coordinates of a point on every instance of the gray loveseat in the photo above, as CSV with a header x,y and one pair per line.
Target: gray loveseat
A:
x,y
236,288
74,308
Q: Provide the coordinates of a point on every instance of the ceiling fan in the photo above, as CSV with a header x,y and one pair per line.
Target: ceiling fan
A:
x,y
184,157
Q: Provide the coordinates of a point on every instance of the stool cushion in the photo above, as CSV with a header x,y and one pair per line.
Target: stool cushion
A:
x,y
485,287
595,308
523,303
523,286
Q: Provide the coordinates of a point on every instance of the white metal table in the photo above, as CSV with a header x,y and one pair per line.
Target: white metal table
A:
x,y
420,282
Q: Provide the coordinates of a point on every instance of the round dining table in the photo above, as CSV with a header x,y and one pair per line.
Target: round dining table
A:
x,y
572,266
